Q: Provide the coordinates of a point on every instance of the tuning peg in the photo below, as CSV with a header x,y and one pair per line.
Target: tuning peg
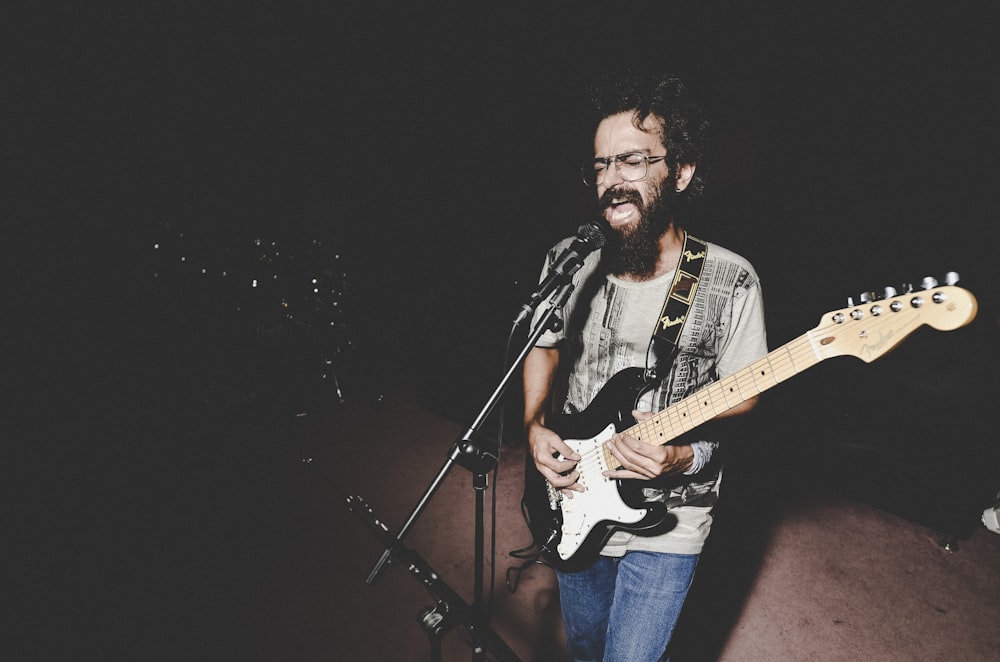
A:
x,y
889,292
850,302
928,283
951,277
866,297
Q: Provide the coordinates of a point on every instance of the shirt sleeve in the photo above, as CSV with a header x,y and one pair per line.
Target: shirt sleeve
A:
x,y
550,339
747,339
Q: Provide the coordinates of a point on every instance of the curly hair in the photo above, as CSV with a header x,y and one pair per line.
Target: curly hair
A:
x,y
684,131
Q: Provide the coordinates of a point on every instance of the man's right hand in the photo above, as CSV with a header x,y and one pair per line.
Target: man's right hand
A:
x,y
546,448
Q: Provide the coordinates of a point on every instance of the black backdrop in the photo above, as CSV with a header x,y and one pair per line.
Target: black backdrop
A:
x,y
434,153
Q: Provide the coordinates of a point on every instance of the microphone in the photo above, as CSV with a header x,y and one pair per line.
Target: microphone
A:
x,y
589,237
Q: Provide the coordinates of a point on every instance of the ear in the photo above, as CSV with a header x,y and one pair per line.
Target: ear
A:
x,y
685,172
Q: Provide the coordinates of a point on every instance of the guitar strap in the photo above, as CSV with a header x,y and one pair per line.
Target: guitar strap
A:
x,y
687,275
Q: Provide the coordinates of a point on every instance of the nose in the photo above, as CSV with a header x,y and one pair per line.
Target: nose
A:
x,y
611,177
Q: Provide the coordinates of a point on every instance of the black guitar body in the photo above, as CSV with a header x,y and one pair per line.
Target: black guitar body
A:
x,y
614,404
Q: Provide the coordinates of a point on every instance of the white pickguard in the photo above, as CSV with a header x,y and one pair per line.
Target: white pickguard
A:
x,y
599,502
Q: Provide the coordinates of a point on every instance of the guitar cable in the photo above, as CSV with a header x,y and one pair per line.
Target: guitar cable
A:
x,y
531,555
513,573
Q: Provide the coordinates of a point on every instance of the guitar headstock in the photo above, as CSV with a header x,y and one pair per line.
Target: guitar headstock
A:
x,y
880,322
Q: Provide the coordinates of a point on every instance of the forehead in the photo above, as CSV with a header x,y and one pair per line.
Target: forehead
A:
x,y
617,134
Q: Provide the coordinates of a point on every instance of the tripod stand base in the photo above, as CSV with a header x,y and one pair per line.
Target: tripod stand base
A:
x,y
436,623
451,608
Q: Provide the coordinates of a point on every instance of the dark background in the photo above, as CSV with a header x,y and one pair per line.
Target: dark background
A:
x,y
436,152
427,159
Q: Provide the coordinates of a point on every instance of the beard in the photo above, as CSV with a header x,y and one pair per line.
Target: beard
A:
x,y
635,249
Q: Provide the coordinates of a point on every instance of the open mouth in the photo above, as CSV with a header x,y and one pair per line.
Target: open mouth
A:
x,y
620,210
615,202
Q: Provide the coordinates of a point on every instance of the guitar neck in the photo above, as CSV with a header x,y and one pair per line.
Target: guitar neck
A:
x,y
866,331
783,363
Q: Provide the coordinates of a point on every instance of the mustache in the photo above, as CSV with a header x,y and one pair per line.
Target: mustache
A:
x,y
621,195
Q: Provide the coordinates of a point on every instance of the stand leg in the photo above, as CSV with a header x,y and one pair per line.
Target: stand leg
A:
x,y
479,483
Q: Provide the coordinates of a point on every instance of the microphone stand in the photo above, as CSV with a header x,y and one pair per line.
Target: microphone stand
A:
x,y
450,607
479,454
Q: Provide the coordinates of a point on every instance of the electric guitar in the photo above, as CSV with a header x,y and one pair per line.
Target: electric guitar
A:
x,y
570,532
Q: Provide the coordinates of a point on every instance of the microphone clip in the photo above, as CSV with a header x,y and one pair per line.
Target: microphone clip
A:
x,y
589,237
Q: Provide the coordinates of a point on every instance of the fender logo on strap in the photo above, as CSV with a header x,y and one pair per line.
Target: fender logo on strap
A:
x,y
694,252
666,322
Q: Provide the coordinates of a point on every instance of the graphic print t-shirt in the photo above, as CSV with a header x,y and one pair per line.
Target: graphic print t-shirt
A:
x,y
608,323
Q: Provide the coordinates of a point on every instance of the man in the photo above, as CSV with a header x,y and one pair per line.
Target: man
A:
x,y
648,166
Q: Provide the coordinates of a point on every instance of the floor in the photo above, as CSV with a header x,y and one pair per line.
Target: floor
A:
x,y
216,526
820,577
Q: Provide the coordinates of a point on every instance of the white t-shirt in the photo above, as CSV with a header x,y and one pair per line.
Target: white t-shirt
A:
x,y
607,326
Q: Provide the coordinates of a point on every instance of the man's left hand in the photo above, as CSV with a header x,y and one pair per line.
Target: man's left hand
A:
x,y
643,461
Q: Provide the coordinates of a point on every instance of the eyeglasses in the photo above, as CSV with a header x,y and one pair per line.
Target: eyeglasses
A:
x,y
632,167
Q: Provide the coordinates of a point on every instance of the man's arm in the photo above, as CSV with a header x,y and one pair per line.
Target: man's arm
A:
x,y
642,461
544,445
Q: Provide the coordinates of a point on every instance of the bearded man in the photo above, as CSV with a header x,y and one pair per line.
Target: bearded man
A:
x,y
648,166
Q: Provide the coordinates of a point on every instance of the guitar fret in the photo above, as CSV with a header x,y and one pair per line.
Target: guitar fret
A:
x,y
652,432
762,373
720,396
687,416
746,383
610,461
729,392
786,367
566,533
706,405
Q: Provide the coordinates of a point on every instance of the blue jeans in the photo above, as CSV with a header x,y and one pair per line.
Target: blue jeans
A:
x,y
624,609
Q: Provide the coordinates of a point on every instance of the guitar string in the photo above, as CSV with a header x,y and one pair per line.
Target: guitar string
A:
x,y
714,399
796,356
708,395
770,370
